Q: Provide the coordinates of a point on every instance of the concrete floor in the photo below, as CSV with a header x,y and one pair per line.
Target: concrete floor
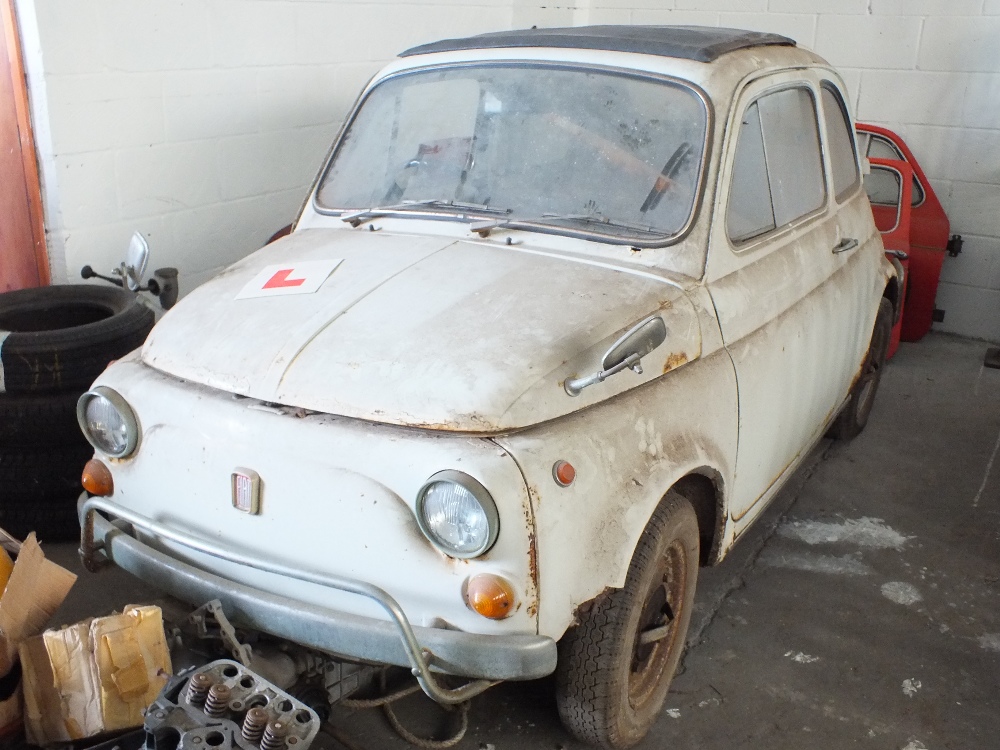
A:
x,y
861,611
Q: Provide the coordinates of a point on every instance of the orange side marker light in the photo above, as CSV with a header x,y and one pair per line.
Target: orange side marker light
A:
x,y
490,595
564,473
96,478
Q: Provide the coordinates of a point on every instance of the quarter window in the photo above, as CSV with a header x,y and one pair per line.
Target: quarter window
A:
x,y
778,165
843,160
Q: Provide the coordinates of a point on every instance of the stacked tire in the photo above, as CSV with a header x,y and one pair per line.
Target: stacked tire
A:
x,y
54,342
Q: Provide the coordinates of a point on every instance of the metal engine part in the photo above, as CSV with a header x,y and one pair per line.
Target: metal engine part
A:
x,y
317,679
240,711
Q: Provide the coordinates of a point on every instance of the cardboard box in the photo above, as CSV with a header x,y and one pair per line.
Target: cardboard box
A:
x,y
33,593
31,590
42,718
95,676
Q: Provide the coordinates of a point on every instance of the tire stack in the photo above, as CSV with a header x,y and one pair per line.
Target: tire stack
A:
x,y
54,342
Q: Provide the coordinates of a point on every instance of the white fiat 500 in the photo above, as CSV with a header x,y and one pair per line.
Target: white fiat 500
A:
x,y
564,310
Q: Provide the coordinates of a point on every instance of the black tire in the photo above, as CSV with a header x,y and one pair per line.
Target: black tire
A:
x,y
609,687
62,337
854,416
40,489
52,520
39,421
43,473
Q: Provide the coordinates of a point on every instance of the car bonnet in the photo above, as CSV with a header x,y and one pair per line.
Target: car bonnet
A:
x,y
415,330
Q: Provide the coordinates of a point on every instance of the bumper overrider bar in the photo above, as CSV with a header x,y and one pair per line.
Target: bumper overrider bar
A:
x,y
487,659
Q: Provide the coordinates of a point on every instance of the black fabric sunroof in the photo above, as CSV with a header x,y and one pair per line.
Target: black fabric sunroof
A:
x,y
701,43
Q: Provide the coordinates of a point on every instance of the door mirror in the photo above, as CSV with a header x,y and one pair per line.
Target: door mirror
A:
x,y
625,353
136,258
639,341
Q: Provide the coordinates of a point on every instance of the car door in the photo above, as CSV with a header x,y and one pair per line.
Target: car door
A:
x,y
929,230
890,188
784,272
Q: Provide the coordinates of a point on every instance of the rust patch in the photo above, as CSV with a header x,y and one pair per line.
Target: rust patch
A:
x,y
532,551
533,496
588,605
483,426
532,559
674,361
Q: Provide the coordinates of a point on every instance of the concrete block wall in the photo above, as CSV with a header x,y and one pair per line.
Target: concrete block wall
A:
x,y
928,69
202,122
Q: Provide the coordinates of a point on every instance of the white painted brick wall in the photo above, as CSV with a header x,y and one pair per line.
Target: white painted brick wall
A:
x,y
202,122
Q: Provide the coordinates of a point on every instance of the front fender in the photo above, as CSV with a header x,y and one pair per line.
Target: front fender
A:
x,y
627,453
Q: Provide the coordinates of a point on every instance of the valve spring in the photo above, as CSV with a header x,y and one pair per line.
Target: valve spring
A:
x,y
198,687
254,724
274,736
217,703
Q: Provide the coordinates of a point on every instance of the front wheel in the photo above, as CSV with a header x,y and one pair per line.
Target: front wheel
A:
x,y
616,664
854,417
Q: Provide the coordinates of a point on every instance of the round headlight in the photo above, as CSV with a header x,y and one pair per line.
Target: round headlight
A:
x,y
457,514
108,422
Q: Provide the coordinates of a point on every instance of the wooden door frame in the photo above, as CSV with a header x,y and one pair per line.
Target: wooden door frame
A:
x,y
8,16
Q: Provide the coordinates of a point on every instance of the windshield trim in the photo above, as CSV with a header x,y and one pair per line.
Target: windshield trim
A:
x,y
661,240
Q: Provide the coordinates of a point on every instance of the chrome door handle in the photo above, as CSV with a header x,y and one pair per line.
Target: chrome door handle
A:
x,y
844,245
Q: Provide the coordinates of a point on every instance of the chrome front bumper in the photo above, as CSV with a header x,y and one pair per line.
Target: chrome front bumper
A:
x,y
485,658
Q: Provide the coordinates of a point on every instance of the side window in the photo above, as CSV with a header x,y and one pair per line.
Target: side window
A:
x,y
777,167
750,211
883,186
878,147
843,160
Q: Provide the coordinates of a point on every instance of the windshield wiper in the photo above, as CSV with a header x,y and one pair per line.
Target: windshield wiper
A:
x,y
483,228
359,217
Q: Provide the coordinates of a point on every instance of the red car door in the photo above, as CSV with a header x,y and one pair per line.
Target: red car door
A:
x,y
890,192
929,230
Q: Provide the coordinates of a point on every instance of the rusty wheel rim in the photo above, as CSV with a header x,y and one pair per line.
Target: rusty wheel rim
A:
x,y
659,618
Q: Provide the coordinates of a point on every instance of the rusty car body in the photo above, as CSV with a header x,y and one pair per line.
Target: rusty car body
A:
x,y
581,292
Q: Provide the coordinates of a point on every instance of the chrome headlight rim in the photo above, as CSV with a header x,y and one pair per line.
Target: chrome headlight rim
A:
x,y
481,495
124,411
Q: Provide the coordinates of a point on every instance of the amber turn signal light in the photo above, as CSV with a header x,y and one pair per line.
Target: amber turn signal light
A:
x,y
97,479
564,473
490,595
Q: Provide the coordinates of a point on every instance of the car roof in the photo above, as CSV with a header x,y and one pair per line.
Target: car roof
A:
x,y
699,43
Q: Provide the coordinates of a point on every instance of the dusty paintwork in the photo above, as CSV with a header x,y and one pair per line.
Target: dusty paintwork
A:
x,y
373,344
357,513
431,348
628,453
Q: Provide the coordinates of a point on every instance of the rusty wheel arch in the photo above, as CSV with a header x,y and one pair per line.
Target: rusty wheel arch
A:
x,y
703,488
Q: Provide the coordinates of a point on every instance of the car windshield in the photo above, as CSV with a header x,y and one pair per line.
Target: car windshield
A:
x,y
569,149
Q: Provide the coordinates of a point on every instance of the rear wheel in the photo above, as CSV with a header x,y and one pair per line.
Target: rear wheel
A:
x,y
854,417
616,664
